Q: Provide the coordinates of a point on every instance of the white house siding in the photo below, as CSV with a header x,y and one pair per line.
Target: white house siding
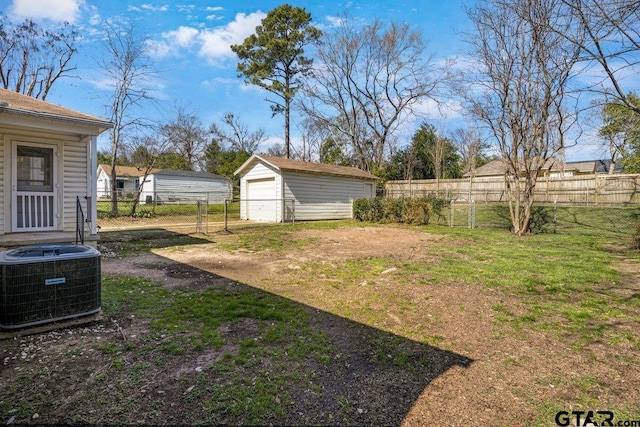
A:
x,y
320,197
259,172
103,185
28,137
148,189
5,188
74,176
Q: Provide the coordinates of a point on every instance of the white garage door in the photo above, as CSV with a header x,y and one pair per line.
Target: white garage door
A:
x,y
261,200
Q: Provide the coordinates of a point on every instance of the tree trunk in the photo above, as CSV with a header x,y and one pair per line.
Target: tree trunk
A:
x,y
520,192
287,110
114,175
136,200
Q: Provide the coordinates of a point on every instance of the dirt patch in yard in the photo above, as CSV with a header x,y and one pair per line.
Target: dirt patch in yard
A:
x,y
481,370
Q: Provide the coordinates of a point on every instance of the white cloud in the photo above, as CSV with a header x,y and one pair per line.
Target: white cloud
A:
x,y
173,42
334,21
216,43
159,48
152,8
214,9
221,81
147,8
212,44
183,36
433,110
185,7
95,19
155,85
64,10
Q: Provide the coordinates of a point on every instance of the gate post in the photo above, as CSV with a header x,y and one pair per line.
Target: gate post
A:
x,y
198,217
225,214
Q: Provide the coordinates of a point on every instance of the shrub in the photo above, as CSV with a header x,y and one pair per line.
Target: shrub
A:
x,y
402,210
417,212
360,208
392,210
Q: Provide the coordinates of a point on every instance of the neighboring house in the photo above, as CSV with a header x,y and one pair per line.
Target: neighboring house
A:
x,y
559,170
48,164
165,185
172,185
276,189
127,180
492,168
553,169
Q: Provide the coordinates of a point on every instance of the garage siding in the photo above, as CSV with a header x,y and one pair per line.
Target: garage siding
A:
x,y
322,196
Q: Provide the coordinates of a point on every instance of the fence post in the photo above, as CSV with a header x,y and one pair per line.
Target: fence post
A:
x,y
206,215
198,217
555,216
225,215
451,205
472,214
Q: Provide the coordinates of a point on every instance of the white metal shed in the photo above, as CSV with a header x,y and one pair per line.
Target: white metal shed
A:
x,y
172,185
275,189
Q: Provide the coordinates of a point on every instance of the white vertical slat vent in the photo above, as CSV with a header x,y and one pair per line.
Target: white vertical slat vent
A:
x,y
35,211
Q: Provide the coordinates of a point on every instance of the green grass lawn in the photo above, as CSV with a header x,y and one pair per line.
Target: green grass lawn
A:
x,y
270,352
565,284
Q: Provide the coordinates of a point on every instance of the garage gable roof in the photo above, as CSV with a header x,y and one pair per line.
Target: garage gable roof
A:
x,y
281,163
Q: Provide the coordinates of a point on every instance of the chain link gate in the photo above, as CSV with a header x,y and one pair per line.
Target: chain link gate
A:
x,y
462,213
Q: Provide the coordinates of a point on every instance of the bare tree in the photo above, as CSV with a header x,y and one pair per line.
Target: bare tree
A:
x,y
236,134
276,150
32,58
129,70
470,146
187,137
521,90
311,135
368,81
145,152
607,34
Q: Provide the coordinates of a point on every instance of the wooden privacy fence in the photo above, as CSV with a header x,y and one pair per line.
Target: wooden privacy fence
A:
x,y
580,189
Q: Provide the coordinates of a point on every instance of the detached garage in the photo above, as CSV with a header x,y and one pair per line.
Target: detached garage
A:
x,y
275,189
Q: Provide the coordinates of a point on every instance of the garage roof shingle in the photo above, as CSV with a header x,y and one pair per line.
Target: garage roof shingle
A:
x,y
311,167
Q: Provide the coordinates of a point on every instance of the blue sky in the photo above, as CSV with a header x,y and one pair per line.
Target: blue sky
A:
x,y
197,69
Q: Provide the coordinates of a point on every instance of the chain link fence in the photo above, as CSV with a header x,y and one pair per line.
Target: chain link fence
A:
x,y
190,213
186,213
582,218
209,213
